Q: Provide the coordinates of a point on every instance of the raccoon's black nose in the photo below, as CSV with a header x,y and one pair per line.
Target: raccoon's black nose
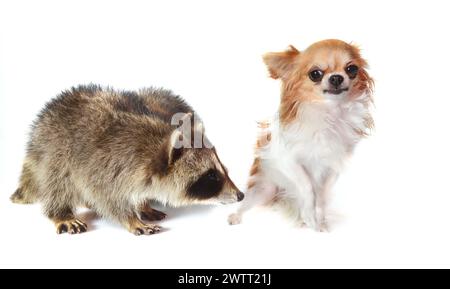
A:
x,y
240,196
336,80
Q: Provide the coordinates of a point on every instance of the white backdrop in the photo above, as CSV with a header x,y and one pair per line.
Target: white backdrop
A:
x,y
391,206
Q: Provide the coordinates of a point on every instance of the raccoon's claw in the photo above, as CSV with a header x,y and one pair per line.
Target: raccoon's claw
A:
x,y
73,226
152,215
146,229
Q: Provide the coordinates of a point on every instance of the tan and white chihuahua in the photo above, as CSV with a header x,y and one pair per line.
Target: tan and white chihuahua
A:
x,y
324,112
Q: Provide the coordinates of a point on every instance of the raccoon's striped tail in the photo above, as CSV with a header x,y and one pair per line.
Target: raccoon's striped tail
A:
x,y
26,193
20,198
17,197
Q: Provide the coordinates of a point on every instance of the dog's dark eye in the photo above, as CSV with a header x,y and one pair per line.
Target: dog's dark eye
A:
x,y
316,75
351,70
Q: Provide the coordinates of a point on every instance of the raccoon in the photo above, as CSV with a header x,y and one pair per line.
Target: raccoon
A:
x,y
115,152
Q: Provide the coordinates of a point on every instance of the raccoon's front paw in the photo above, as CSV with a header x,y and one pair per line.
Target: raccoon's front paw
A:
x,y
145,229
234,219
152,215
73,226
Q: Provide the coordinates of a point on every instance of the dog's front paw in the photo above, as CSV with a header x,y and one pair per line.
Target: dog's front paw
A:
x,y
234,219
317,226
310,221
323,226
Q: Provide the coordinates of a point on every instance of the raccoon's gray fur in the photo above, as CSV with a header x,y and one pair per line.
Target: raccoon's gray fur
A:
x,y
113,151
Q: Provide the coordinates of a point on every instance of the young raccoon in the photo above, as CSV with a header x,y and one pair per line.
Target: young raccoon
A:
x,y
114,152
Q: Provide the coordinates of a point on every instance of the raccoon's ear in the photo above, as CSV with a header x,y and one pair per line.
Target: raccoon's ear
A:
x,y
176,148
182,120
281,63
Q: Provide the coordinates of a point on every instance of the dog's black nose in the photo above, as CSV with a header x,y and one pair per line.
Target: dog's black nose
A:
x,y
336,80
240,196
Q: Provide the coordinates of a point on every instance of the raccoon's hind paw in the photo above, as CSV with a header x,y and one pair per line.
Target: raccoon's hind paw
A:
x,y
73,226
145,229
150,214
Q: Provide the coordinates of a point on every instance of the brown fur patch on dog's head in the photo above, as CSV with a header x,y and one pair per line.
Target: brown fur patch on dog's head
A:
x,y
306,75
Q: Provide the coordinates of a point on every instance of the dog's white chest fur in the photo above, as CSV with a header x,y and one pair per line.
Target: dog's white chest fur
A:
x,y
297,166
320,140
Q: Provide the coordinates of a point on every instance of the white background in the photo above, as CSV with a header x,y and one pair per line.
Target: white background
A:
x,y
391,206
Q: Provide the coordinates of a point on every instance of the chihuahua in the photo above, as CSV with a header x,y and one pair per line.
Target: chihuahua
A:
x,y
326,96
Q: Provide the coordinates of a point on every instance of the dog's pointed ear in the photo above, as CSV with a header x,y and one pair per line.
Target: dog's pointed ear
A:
x,y
281,63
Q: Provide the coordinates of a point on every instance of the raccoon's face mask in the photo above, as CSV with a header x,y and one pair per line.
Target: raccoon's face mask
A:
x,y
209,182
204,176
208,185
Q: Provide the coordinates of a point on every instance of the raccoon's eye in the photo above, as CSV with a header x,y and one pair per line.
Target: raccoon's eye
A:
x,y
351,71
316,75
212,175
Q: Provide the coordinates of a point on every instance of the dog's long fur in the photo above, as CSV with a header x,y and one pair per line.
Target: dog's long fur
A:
x,y
300,154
